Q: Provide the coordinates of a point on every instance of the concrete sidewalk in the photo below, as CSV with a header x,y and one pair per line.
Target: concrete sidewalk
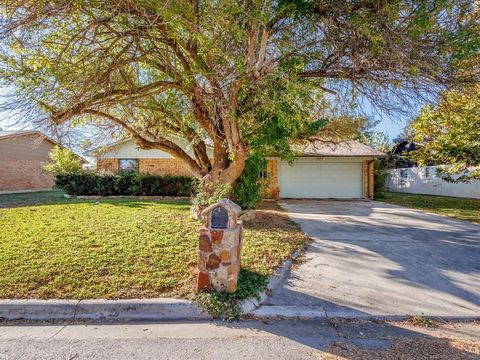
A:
x,y
371,259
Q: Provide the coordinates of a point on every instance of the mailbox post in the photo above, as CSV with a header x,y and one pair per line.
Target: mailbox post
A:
x,y
219,247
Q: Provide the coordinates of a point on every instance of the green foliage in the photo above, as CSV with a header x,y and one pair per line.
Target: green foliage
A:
x,y
208,194
63,162
228,306
381,173
449,135
105,184
240,74
248,189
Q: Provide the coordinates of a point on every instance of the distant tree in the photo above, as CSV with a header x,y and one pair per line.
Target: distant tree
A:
x,y
369,135
449,135
63,161
228,72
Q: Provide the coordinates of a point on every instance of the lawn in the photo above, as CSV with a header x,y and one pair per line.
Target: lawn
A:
x,y
52,247
460,208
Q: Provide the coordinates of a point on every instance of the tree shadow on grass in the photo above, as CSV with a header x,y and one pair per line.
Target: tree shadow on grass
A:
x,y
46,198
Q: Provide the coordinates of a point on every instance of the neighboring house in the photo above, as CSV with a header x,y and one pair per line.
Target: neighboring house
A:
x,y
22,157
322,170
424,180
399,154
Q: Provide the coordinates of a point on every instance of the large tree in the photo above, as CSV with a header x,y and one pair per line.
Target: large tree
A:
x,y
449,135
222,71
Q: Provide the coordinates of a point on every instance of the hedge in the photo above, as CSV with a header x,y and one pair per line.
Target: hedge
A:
x,y
105,184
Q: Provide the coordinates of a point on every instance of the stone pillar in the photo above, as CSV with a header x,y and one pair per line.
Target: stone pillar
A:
x,y
219,247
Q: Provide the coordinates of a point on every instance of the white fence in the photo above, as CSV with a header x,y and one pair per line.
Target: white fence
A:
x,y
423,180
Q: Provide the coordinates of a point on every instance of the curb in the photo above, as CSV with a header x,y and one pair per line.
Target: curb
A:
x,y
119,310
251,304
319,313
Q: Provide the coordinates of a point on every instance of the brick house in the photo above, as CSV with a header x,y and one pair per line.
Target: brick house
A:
x,y
22,157
321,170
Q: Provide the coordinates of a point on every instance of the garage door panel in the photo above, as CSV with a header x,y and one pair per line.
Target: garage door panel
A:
x,y
320,180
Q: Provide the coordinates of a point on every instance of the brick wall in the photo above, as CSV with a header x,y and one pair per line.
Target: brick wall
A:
x,y
108,165
23,175
148,166
273,190
368,179
163,167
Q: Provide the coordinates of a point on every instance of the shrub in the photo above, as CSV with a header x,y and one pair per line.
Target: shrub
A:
x,y
248,188
105,184
381,173
63,161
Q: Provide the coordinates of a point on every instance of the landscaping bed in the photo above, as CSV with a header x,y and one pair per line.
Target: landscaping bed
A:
x,y
460,208
52,247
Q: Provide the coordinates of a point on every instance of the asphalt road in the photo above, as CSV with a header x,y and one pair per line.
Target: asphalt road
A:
x,y
279,339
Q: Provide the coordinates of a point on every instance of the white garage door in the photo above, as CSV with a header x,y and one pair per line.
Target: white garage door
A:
x,y
314,179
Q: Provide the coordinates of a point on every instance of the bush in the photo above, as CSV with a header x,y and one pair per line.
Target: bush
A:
x,y
248,188
381,173
105,184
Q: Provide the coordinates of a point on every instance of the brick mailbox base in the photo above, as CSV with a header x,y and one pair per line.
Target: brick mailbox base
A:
x,y
219,258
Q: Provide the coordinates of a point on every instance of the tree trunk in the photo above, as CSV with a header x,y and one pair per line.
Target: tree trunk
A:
x,y
218,183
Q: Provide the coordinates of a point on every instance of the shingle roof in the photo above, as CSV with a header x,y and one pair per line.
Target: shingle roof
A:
x,y
347,148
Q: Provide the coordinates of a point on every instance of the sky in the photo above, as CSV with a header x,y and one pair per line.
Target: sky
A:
x,y
391,126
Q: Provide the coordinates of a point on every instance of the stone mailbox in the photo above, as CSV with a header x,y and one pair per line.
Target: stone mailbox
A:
x,y
219,247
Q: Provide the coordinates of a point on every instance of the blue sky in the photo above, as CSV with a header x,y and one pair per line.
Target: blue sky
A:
x,y
391,127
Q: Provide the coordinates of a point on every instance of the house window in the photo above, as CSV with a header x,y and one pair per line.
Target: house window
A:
x,y
128,166
428,172
403,176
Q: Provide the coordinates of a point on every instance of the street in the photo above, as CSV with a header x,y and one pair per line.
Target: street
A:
x,y
275,339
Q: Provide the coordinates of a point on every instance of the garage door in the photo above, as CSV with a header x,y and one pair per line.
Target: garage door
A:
x,y
320,180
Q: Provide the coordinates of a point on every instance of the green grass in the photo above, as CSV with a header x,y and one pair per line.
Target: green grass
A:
x,y
52,247
460,208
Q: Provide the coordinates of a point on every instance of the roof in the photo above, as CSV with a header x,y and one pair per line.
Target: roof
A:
x,y
343,149
226,203
13,133
404,146
107,147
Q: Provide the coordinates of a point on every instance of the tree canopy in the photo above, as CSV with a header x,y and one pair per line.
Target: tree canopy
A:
x,y
232,73
449,135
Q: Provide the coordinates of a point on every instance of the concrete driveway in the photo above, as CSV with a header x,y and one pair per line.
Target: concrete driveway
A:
x,y
372,258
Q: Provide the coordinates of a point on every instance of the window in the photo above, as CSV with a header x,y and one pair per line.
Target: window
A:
x,y
128,166
428,172
403,176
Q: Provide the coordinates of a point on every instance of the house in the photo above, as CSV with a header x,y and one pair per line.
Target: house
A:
x,y
400,154
321,170
23,154
425,180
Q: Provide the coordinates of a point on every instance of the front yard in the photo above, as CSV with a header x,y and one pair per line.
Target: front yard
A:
x,y
51,247
460,208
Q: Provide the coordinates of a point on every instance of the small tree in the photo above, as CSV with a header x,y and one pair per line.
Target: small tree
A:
x,y
63,162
